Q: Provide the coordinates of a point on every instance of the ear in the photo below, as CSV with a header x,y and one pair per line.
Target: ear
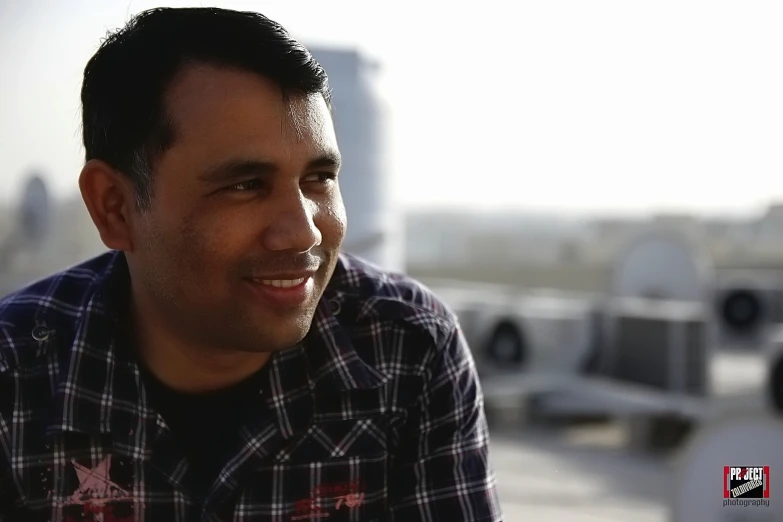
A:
x,y
110,200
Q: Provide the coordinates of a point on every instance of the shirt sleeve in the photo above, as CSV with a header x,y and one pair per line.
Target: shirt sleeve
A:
x,y
442,471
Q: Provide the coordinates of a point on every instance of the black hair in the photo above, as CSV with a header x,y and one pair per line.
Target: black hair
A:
x,y
124,119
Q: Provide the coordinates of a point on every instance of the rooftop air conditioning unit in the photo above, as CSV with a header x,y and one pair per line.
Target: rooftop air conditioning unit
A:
x,y
657,329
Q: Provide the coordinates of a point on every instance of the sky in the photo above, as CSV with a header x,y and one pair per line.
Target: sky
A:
x,y
557,106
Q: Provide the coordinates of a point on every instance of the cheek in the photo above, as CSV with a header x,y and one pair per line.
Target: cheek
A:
x,y
333,220
334,216
203,248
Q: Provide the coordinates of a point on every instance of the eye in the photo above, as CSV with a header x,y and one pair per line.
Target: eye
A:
x,y
251,184
322,177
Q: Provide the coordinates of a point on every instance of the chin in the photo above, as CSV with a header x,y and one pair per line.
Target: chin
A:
x,y
288,341
284,335
270,329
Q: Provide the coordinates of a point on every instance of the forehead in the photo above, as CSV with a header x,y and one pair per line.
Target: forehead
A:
x,y
220,110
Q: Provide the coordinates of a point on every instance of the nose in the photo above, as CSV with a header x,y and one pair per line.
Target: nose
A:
x,y
293,227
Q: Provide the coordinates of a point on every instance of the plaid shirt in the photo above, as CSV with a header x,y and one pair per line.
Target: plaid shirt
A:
x,y
376,415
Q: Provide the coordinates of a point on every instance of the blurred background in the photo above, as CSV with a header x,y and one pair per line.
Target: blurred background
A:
x,y
593,186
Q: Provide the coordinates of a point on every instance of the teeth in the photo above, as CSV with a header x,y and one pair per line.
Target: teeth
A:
x,y
282,283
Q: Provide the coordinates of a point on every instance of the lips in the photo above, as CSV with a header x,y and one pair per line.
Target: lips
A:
x,y
283,291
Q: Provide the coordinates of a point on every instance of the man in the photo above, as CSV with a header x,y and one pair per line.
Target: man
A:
x,y
223,361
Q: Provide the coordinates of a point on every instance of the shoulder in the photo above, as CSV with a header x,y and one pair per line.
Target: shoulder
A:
x,y
405,332
55,303
393,305
384,294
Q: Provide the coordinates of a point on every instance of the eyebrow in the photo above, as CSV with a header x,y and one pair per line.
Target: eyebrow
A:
x,y
238,168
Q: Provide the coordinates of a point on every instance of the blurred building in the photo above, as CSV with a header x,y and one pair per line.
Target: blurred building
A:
x,y
71,239
568,254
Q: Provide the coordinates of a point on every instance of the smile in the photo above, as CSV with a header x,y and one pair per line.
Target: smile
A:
x,y
283,293
281,283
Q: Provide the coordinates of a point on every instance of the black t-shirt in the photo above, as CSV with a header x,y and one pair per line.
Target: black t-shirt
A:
x,y
206,425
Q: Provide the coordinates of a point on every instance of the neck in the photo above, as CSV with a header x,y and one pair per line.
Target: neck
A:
x,y
184,366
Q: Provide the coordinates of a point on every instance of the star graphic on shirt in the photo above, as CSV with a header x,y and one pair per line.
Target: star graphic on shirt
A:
x,y
95,483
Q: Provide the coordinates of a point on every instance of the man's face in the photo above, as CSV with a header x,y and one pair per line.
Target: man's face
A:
x,y
247,219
